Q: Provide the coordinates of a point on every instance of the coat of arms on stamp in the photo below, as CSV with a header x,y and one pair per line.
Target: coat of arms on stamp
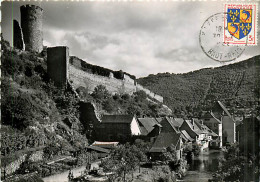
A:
x,y
241,23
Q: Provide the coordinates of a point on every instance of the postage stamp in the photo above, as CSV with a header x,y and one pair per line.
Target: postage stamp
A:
x,y
241,23
211,40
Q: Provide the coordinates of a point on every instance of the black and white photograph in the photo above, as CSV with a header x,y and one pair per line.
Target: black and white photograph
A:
x,y
130,91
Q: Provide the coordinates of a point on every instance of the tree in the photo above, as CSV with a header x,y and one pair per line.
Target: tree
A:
x,y
110,105
100,93
236,167
169,155
140,96
124,158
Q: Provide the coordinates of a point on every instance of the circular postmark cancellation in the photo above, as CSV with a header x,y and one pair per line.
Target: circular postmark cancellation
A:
x,y
211,40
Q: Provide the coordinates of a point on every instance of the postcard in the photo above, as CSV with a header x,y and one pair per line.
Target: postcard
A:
x,y
130,90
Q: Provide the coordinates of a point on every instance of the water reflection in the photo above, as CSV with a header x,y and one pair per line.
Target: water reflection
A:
x,y
206,161
202,166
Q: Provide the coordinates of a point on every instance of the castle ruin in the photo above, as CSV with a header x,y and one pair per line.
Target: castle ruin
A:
x,y
63,69
58,65
18,36
31,26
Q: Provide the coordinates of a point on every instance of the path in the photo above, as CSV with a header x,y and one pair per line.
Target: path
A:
x,y
63,177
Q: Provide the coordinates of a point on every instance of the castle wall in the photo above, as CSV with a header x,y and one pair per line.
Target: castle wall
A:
x,y
90,81
128,79
31,23
149,93
17,36
87,79
58,65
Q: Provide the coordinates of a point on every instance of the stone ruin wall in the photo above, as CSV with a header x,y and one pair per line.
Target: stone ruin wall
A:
x,y
148,92
82,78
17,36
31,24
58,65
79,78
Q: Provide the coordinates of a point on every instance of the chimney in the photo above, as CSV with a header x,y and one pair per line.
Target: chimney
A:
x,y
192,120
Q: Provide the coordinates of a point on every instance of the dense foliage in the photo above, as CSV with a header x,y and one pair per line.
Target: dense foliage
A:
x,y
125,158
138,103
34,112
237,167
237,85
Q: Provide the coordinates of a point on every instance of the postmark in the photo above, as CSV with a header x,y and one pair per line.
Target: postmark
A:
x,y
241,23
211,40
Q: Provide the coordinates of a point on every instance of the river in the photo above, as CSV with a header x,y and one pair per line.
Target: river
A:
x,y
203,166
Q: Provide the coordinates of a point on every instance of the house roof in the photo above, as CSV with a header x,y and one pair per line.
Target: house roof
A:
x,y
215,117
186,135
105,144
125,119
196,129
205,129
206,114
143,131
149,123
224,109
177,122
159,120
165,140
99,149
169,120
212,133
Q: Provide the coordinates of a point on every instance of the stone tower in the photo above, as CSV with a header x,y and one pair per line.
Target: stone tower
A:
x,y
58,65
31,24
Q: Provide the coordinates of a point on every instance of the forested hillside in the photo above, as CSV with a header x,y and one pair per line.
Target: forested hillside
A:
x,y
235,84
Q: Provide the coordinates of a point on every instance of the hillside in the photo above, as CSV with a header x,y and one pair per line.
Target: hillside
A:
x,y
235,84
39,117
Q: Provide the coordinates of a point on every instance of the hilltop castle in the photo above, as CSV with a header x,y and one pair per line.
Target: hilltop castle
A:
x,y
63,69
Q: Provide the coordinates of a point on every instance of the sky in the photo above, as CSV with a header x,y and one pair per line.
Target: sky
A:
x,y
140,38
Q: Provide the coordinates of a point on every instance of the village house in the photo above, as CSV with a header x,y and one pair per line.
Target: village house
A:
x,y
177,122
215,124
228,123
248,135
193,130
200,133
150,128
169,136
163,142
208,133
119,128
